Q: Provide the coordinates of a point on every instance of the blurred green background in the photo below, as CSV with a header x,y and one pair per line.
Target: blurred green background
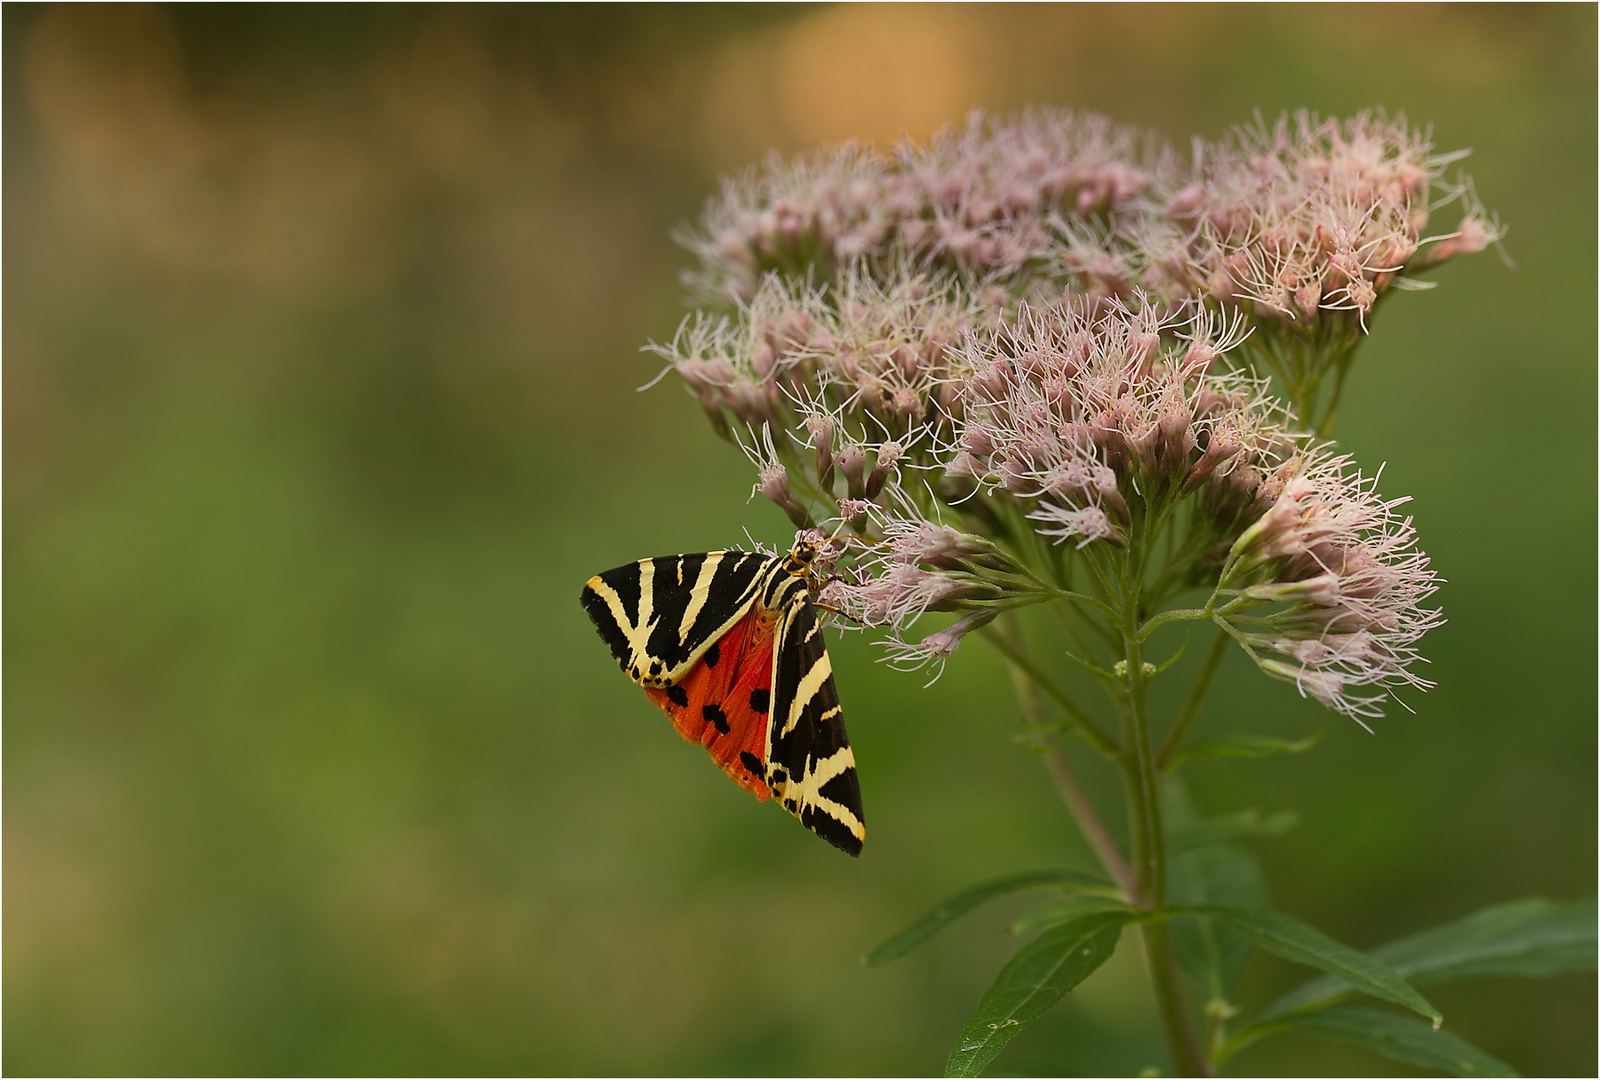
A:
x,y
321,338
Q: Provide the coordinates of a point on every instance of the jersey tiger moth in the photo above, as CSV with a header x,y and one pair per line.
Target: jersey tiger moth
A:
x,y
729,645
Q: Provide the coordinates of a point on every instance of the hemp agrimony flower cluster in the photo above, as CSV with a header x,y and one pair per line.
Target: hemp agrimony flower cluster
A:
x,y
1303,226
1052,365
1054,331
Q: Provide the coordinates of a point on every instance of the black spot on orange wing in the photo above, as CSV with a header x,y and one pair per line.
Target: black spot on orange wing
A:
x,y
714,716
713,654
760,699
714,711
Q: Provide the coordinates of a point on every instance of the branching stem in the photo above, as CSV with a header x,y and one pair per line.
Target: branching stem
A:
x,y
1094,831
1150,862
1154,623
1072,794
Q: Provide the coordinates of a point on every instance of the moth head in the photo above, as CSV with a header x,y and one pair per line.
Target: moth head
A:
x,y
813,557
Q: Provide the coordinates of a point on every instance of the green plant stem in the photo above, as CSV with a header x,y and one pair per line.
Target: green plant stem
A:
x,y
1082,811
1150,862
1324,428
1191,702
1155,622
1061,771
1171,1002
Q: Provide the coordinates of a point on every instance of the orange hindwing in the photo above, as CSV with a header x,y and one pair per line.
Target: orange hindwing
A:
x,y
722,703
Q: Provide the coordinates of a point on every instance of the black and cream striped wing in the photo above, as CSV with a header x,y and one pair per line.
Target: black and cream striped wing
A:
x,y
811,768
659,616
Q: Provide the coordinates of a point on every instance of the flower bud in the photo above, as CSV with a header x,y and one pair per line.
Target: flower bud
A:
x,y
1182,206
748,402
1471,236
905,402
819,430
1142,348
854,512
1198,358
713,410
888,458
1016,476
1362,295
1089,522
1219,448
774,484
904,358
977,441
1177,435
852,463
1322,590
938,647
938,546
763,359
1327,687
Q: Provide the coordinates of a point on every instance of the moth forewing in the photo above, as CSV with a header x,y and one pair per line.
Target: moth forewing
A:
x,y
661,615
812,768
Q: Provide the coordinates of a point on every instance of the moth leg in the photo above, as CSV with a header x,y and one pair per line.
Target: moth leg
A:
x,y
837,611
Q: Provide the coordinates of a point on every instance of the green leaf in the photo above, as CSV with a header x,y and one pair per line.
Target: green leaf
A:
x,y
1070,909
962,902
1398,1038
1304,944
1226,827
1211,954
1173,659
1524,937
1041,974
1244,745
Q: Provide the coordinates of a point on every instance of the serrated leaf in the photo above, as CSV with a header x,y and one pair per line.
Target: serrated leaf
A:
x,y
1302,943
1398,1038
964,901
1211,954
1525,937
1041,974
1226,827
1070,909
1244,745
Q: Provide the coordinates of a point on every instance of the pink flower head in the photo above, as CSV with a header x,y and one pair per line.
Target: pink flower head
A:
x,y
934,649
1076,413
1349,582
898,596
